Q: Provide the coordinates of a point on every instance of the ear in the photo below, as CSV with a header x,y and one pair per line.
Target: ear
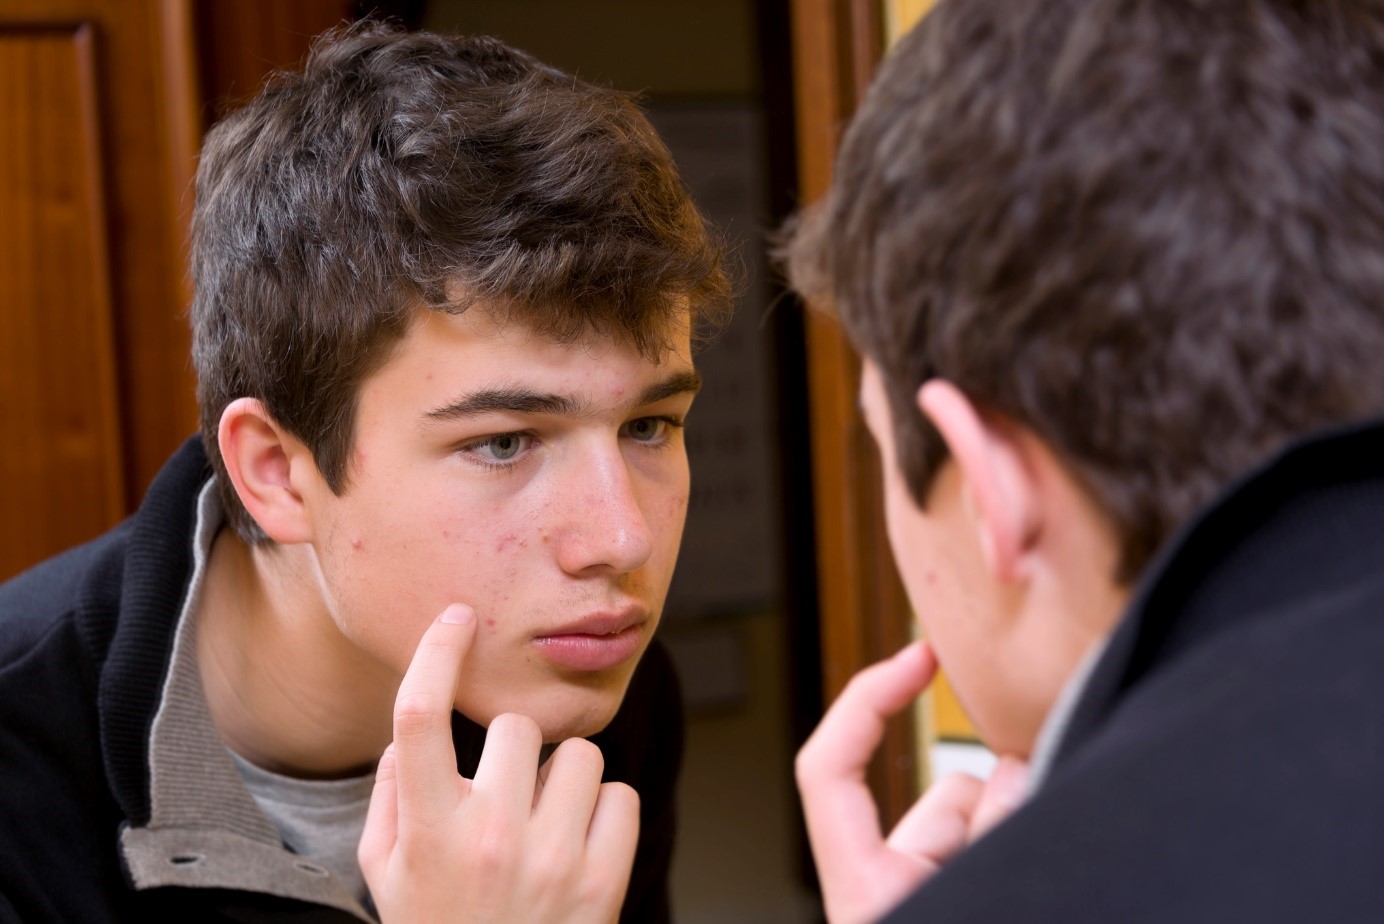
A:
x,y
997,477
262,460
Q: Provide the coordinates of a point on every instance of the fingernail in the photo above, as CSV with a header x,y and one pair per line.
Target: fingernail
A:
x,y
458,613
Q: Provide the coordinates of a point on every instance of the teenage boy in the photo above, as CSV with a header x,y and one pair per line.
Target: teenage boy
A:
x,y
444,304
1116,272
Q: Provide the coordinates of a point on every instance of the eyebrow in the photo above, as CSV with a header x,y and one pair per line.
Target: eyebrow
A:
x,y
524,401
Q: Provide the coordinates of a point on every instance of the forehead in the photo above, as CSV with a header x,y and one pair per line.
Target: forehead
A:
x,y
442,353
479,323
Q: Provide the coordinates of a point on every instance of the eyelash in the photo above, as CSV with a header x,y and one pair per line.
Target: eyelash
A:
x,y
670,421
471,450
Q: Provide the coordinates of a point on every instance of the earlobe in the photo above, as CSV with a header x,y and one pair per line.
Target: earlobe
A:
x,y
991,458
259,458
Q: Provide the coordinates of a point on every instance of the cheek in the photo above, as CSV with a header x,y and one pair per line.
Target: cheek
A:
x,y
898,527
667,518
481,555
675,508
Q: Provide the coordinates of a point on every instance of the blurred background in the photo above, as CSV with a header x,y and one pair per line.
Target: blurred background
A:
x,y
784,588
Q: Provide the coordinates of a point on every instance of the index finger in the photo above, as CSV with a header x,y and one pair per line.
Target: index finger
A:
x,y
839,808
425,757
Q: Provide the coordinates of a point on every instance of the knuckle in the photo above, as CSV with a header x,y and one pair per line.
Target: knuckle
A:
x,y
367,856
555,864
600,888
515,728
805,764
494,851
622,793
583,753
416,713
959,786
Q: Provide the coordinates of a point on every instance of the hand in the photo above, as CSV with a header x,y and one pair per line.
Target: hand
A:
x,y
863,875
554,846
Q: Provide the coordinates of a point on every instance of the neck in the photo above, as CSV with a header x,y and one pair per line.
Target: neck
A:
x,y
1073,600
287,691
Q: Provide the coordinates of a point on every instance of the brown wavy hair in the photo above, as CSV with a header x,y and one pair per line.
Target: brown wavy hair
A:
x,y
400,169
1152,231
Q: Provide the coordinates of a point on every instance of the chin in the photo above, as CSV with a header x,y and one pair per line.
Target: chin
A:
x,y
560,712
583,724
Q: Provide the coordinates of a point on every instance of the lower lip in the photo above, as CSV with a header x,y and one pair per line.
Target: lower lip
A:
x,y
590,652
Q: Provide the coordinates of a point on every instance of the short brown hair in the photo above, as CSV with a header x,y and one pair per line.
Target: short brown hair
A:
x,y
1151,231
403,168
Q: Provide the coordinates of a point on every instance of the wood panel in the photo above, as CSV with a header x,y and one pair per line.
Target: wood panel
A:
x,y
103,114
238,44
127,126
61,473
864,611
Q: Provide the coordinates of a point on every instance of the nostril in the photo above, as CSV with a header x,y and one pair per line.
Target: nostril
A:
x,y
186,859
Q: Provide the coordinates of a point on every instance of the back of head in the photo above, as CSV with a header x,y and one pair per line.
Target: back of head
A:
x,y
1152,231
397,172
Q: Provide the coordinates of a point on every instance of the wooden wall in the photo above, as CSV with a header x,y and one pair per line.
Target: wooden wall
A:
x,y
102,107
864,611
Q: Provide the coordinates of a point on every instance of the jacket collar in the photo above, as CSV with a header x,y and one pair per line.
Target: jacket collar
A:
x,y
155,574
191,822
1309,520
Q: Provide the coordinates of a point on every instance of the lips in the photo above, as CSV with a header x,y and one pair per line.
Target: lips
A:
x,y
595,642
602,623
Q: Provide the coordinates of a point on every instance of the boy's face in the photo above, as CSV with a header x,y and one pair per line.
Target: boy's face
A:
x,y
943,570
544,485
1009,636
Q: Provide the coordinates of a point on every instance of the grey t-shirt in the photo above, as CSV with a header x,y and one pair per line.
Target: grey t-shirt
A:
x,y
319,819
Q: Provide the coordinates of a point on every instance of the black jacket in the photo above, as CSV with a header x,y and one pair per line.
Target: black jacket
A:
x,y
85,647
1225,761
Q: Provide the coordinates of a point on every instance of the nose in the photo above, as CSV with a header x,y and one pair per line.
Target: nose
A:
x,y
607,529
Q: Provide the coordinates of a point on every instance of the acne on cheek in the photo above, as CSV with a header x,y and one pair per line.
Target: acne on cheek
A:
x,y
508,540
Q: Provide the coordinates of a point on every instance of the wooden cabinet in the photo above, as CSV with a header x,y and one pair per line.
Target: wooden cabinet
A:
x,y
102,107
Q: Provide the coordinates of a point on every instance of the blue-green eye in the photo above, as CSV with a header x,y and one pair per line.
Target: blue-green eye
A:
x,y
503,447
498,450
646,429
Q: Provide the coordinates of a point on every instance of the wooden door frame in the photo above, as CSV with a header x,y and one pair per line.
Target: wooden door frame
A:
x,y
864,613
